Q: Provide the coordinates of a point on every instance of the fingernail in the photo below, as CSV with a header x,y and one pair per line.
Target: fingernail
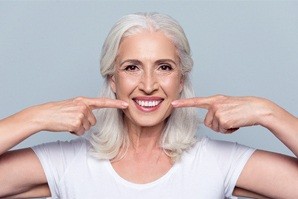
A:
x,y
174,103
124,104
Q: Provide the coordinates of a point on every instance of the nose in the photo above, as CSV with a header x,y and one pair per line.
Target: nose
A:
x,y
148,83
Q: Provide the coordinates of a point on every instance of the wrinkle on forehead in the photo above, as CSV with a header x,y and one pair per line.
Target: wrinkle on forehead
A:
x,y
146,48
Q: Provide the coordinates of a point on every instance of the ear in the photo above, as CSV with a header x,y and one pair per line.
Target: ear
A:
x,y
112,83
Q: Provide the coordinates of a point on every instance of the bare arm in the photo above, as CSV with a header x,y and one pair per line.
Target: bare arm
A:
x,y
227,114
40,191
21,174
269,174
239,192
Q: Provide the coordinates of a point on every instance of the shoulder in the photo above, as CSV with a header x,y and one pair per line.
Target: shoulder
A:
x,y
74,144
209,145
219,151
63,151
58,158
218,162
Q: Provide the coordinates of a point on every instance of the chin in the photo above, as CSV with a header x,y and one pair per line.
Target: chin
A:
x,y
147,118
145,121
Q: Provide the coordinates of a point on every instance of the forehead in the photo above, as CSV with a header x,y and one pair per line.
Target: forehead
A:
x,y
147,45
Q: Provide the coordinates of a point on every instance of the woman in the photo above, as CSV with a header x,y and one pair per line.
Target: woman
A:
x,y
143,143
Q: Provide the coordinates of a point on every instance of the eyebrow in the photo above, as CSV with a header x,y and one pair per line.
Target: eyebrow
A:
x,y
165,60
133,61
138,62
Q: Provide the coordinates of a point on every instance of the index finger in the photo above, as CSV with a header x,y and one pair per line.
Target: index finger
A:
x,y
95,103
198,102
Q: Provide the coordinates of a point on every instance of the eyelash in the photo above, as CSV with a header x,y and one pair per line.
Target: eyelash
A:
x,y
168,67
130,68
163,67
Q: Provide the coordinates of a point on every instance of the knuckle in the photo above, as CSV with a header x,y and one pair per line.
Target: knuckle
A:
x,y
80,116
226,124
78,99
207,123
220,96
220,99
224,131
221,118
215,129
81,131
223,123
216,106
87,127
83,108
77,124
93,121
218,115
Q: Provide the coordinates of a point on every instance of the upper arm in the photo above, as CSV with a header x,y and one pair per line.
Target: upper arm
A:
x,y
21,172
239,192
270,174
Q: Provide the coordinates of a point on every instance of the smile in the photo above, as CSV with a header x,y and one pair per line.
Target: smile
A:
x,y
148,103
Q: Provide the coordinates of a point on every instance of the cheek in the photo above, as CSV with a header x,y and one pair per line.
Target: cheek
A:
x,y
172,86
125,85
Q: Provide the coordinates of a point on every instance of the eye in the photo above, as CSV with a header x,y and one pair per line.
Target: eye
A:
x,y
166,67
131,68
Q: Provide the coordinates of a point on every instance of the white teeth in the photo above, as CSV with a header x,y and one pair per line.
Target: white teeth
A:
x,y
148,103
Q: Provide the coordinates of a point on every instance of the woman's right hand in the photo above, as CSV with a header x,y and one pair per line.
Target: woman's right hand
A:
x,y
73,115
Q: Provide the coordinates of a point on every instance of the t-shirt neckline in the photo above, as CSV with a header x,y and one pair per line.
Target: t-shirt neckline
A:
x,y
125,182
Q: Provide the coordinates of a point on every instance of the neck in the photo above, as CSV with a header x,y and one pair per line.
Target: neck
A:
x,y
144,139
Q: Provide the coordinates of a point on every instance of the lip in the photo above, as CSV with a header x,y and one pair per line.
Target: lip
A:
x,y
147,104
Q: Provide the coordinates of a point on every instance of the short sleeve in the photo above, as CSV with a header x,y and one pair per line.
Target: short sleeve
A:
x,y
231,158
55,158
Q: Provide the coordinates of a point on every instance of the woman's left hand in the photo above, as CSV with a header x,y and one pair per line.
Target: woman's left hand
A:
x,y
227,114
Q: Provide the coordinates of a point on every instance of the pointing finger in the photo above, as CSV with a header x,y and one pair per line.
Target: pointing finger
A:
x,y
95,103
199,102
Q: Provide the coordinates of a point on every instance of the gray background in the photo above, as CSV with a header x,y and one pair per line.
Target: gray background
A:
x,y
50,51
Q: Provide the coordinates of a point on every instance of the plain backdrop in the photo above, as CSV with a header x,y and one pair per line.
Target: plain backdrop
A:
x,y
49,50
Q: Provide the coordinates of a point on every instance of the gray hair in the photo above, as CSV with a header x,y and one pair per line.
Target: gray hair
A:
x,y
179,134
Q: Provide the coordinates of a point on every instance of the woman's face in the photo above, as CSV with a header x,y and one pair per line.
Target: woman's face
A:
x,y
148,77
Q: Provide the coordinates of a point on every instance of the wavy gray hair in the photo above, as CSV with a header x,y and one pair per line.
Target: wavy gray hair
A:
x,y
179,133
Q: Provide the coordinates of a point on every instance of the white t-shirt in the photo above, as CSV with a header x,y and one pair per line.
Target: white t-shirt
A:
x,y
208,171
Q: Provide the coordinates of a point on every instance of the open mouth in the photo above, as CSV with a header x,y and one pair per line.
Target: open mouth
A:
x,y
148,103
